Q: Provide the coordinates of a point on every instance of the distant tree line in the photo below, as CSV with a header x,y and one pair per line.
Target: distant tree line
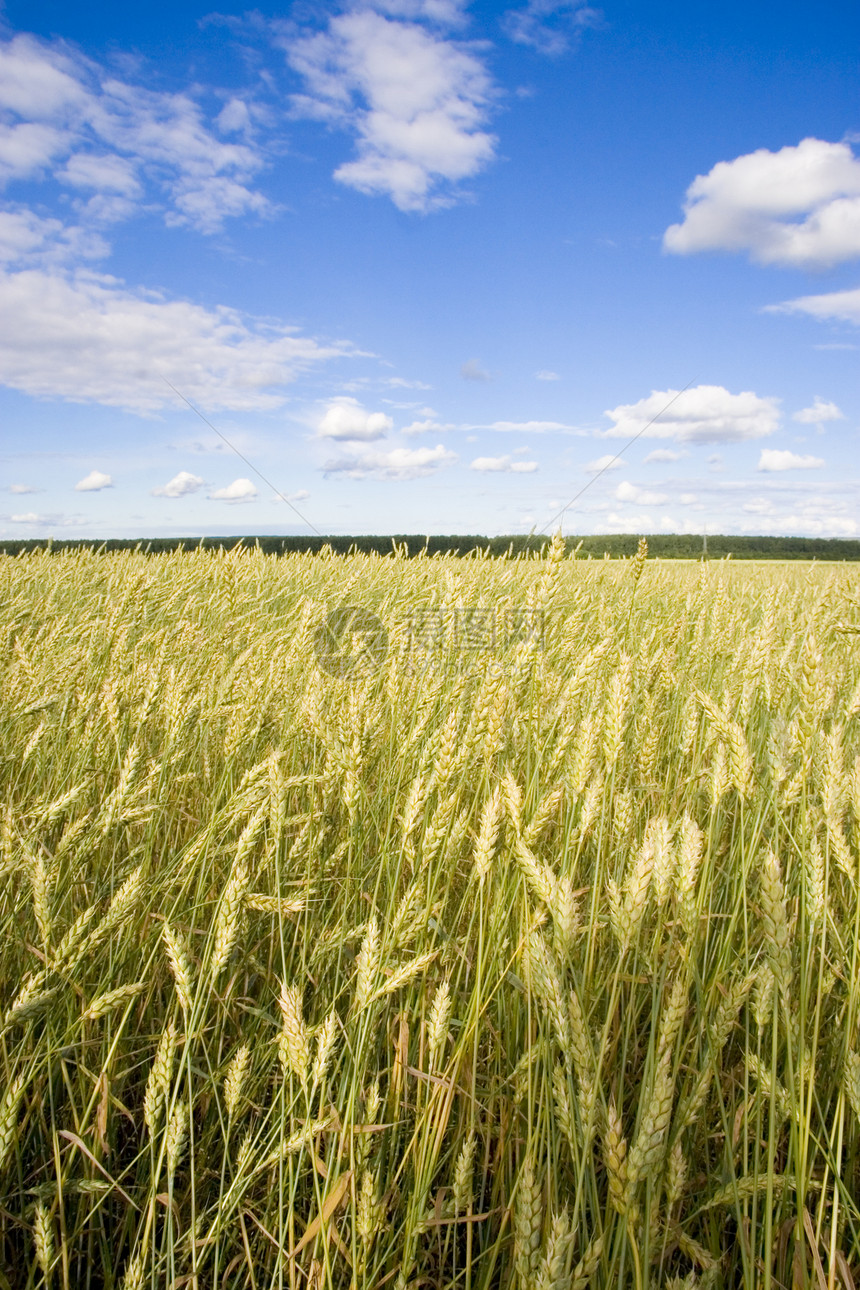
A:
x,y
663,545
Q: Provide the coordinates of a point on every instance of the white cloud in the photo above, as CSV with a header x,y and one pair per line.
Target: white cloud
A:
x,y
362,462
179,486
241,490
91,340
26,237
301,495
663,454
445,12
472,371
234,117
54,520
505,464
606,462
94,482
781,459
400,382
704,414
524,427
416,102
688,499
427,427
545,375
628,492
103,135
841,306
105,173
818,413
799,206
345,418
548,25
22,488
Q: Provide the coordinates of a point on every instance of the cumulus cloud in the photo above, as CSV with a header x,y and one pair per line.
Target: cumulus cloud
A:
x,y
799,206
472,371
241,490
628,492
663,454
416,102
704,414
545,375
22,488
91,340
818,413
94,482
179,486
548,25
345,418
838,306
606,462
363,462
504,464
100,135
781,459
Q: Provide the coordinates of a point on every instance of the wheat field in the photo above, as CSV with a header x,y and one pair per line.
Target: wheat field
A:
x,y
518,947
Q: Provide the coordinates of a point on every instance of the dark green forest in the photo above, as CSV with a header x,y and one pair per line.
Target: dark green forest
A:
x,y
666,546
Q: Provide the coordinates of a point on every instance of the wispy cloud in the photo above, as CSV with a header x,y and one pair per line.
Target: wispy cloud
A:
x,y
548,25
606,462
663,455
91,340
505,465
835,306
361,461
526,427
473,371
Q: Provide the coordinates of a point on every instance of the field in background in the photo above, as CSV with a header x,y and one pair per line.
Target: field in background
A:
x,y
514,945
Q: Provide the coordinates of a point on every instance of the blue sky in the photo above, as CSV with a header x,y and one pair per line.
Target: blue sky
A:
x,y
429,266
